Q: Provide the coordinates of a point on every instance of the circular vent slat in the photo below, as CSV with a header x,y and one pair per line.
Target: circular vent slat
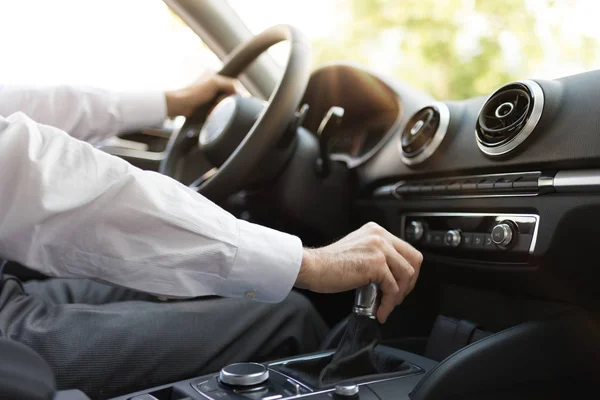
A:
x,y
423,133
508,117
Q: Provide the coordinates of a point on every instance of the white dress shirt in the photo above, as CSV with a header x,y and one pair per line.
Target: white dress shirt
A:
x,y
70,210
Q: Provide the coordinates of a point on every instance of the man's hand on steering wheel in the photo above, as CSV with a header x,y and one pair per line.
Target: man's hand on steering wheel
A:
x,y
206,89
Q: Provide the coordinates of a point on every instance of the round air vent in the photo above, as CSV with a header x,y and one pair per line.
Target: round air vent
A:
x,y
508,117
424,132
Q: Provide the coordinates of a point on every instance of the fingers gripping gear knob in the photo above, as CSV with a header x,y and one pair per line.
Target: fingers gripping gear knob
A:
x,y
366,301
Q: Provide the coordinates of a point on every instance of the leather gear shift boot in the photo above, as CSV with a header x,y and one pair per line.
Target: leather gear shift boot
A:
x,y
358,358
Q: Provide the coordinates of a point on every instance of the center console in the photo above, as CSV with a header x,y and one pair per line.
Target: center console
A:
x,y
561,365
252,381
359,367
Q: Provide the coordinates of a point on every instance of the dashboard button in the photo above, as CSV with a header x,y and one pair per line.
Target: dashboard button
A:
x,y
467,240
428,238
485,184
478,240
503,184
438,239
454,186
488,243
426,187
525,184
439,187
468,185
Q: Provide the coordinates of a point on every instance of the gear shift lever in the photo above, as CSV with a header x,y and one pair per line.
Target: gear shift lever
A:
x,y
366,301
357,356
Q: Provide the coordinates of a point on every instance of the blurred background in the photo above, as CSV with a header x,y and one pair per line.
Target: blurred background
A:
x,y
453,49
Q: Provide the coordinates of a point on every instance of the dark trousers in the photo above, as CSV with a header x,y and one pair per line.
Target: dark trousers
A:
x,y
109,340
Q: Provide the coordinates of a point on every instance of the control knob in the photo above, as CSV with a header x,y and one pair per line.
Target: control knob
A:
x,y
244,374
453,238
504,234
414,231
346,391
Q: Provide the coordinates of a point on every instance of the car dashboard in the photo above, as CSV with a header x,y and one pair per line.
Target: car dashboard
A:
x,y
502,189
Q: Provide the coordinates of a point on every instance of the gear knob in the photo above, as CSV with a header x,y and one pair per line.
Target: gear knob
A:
x,y
367,300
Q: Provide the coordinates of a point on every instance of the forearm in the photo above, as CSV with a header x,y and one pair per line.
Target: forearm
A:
x,y
68,209
86,113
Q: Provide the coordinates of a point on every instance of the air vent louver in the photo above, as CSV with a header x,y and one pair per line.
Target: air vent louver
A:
x,y
423,133
508,117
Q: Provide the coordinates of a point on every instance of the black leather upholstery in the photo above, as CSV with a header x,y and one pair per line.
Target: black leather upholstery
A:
x,y
561,353
24,375
358,357
450,335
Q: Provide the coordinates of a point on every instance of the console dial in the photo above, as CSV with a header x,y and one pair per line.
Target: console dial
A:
x,y
244,374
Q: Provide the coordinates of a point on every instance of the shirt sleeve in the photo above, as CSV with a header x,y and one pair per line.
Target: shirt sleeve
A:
x,y
87,113
69,210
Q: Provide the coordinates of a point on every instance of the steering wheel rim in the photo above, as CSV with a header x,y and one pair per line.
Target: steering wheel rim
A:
x,y
271,123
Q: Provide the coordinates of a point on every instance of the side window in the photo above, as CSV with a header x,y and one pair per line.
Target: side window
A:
x,y
113,44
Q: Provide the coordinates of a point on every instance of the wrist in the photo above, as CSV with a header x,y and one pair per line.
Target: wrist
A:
x,y
306,269
176,104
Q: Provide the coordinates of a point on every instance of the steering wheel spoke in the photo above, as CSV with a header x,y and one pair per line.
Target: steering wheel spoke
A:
x,y
205,177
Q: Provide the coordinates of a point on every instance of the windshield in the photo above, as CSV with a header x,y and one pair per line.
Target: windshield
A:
x,y
453,49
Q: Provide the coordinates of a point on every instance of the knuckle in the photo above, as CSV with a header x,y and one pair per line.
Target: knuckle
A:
x,y
376,241
410,272
418,258
370,225
374,227
379,258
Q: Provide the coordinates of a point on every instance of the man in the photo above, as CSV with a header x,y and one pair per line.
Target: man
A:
x,y
69,210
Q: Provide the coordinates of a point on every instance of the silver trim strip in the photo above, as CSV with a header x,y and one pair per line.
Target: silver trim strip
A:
x,y
437,139
303,358
537,95
475,196
499,216
381,191
572,181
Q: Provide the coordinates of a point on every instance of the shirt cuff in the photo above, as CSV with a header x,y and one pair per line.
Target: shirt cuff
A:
x,y
266,265
141,110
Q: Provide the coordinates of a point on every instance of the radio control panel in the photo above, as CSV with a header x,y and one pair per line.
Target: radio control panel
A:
x,y
495,237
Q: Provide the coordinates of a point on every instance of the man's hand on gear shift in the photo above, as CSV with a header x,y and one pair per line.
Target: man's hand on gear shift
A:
x,y
369,254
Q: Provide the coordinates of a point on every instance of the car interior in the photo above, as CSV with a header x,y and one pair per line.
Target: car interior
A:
x,y
501,194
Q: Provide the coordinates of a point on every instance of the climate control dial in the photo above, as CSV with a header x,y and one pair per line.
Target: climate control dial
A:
x,y
452,238
504,234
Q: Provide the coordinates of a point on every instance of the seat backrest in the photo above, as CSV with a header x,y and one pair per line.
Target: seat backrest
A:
x,y
561,352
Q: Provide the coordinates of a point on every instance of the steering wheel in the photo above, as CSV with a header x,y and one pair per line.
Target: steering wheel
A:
x,y
239,132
